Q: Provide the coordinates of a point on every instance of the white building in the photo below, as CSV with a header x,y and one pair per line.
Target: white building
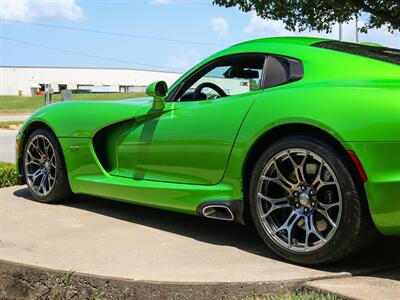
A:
x,y
28,80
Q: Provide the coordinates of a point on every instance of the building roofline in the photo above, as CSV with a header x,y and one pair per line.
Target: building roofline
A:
x,y
92,68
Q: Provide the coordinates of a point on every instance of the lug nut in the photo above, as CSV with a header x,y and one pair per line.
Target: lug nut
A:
x,y
297,205
313,203
312,193
303,187
305,209
296,194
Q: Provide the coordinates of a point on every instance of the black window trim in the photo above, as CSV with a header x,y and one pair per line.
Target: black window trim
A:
x,y
374,54
295,66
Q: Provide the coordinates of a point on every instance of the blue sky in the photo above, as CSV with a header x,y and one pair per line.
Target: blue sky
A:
x,y
195,21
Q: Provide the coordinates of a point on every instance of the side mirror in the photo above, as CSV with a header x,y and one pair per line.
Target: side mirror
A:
x,y
158,90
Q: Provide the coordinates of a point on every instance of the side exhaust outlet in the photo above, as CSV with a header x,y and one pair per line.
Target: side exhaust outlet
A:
x,y
227,210
219,212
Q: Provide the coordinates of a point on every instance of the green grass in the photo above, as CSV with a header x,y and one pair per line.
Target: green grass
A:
x,y
298,295
69,285
8,175
17,104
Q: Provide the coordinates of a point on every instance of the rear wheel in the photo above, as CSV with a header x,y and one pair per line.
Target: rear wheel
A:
x,y
44,168
305,204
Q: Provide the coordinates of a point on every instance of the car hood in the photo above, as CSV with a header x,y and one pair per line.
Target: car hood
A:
x,y
85,118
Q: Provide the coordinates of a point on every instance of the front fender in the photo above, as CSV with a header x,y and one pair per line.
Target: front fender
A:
x,y
85,118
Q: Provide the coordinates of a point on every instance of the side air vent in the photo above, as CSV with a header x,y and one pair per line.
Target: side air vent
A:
x,y
105,143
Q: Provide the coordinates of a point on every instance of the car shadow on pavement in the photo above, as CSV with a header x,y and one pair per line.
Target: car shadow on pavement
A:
x,y
381,255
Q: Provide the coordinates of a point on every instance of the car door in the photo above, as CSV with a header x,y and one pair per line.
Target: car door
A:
x,y
191,139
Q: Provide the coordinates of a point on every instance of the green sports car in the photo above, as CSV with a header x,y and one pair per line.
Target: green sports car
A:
x,y
300,136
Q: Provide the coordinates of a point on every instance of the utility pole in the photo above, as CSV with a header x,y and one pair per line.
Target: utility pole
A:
x,y
48,91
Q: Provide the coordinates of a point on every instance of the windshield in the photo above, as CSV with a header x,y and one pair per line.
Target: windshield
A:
x,y
380,53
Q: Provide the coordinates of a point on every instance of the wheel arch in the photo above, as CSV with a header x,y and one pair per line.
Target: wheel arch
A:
x,y
31,127
278,132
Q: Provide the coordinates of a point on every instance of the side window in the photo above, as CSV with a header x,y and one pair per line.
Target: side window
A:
x,y
227,77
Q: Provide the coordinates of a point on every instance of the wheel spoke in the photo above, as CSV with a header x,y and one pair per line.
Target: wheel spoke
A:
x,y
299,168
308,231
281,177
317,178
38,150
288,226
46,148
42,184
325,214
328,206
34,163
275,207
302,166
311,229
274,204
278,182
295,166
272,200
323,183
33,158
48,181
35,175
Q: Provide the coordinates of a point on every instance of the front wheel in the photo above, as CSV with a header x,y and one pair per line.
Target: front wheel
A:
x,y
44,168
305,203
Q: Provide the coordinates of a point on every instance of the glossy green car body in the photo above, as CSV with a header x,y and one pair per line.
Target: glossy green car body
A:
x,y
192,152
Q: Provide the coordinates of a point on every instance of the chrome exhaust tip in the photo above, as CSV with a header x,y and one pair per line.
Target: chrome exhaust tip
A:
x,y
227,210
219,212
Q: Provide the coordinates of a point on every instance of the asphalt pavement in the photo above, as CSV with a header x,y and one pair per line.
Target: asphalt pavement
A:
x,y
7,137
11,118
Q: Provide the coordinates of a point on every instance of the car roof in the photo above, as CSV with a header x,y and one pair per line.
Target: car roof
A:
x,y
301,41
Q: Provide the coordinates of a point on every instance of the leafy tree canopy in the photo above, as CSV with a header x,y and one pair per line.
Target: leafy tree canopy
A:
x,y
321,15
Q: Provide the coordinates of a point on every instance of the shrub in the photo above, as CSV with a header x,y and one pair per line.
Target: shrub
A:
x,y
8,175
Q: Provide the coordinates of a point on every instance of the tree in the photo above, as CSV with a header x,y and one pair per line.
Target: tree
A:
x,y
321,15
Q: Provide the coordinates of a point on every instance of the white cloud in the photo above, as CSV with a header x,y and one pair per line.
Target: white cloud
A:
x,y
160,1
259,27
183,60
220,26
27,10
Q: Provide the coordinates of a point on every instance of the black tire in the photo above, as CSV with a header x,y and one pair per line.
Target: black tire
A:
x,y
354,229
60,190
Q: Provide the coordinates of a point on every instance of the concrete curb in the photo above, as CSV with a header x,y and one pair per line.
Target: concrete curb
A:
x,y
30,282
